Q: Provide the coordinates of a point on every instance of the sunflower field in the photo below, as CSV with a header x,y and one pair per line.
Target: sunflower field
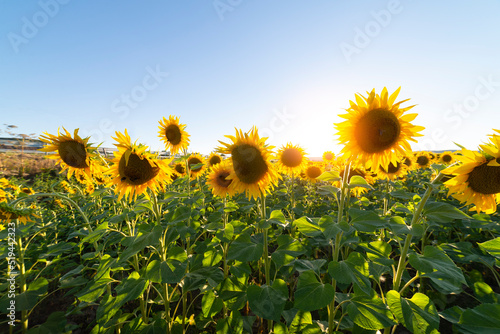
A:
x,y
256,239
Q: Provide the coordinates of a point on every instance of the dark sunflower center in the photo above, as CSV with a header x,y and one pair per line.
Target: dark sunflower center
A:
x,y
485,179
422,160
73,154
446,158
313,172
194,161
173,134
407,161
214,160
291,157
249,164
179,168
222,181
377,130
138,171
392,168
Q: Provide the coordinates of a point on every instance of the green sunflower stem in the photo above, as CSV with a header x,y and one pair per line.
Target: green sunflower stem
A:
x,y
415,220
344,192
22,281
265,254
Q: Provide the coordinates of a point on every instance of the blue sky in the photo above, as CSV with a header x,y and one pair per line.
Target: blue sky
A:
x,y
288,67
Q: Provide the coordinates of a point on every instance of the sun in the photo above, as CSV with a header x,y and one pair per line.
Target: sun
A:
x,y
134,170
173,134
376,130
253,173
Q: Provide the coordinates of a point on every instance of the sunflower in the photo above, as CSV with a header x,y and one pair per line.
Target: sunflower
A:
x,y
217,179
252,171
73,153
393,171
179,169
477,179
196,164
312,172
446,158
409,161
328,156
135,170
375,130
8,213
290,159
422,159
173,135
214,159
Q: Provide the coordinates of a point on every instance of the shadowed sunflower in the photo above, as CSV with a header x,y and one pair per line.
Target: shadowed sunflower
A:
x,y
218,180
196,165
173,135
214,159
446,158
354,170
8,213
375,130
179,169
73,153
134,169
291,159
477,179
409,161
422,160
328,156
393,171
252,172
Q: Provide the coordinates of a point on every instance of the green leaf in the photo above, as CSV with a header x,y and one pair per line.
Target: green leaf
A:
x,y
211,304
268,301
311,294
277,217
54,324
28,299
307,226
244,249
369,312
492,247
359,181
96,234
484,292
442,271
329,227
138,243
442,212
366,221
482,319
417,314
230,325
378,251
330,176
353,270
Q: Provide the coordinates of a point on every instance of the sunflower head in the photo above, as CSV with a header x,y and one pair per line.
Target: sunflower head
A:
x,y
135,170
173,134
8,213
290,159
477,179
218,179
73,153
214,159
312,172
446,158
376,129
253,173
328,156
422,159
196,164
393,171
